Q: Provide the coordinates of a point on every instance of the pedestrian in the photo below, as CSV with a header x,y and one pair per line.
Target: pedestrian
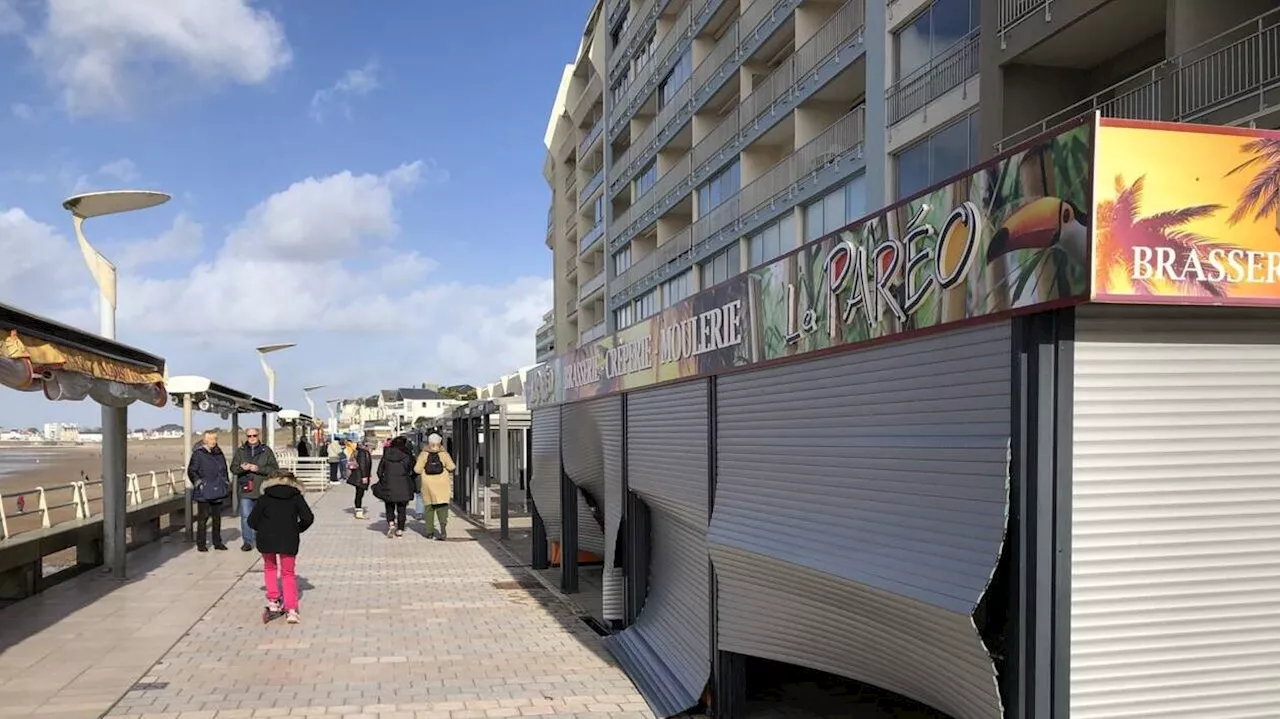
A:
x,y
279,517
303,450
435,466
252,464
359,465
396,484
333,453
211,484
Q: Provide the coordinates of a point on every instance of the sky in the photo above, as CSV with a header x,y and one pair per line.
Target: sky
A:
x,y
365,184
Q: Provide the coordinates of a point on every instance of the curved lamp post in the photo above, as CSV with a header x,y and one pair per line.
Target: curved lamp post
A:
x,y
114,419
306,392
263,351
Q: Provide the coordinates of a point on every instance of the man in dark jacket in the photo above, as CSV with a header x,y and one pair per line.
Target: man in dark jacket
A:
x,y
210,487
252,464
397,484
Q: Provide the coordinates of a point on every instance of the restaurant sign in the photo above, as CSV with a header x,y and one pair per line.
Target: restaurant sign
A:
x,y
1010,236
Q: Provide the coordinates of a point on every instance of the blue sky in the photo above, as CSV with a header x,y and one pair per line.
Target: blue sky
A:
x,y
367,184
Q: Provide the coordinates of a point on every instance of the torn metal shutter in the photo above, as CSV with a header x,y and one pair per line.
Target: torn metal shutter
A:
x,y
1175,514
667,651
861,504
545,487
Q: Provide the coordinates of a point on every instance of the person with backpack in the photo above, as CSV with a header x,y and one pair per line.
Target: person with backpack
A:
x,y
397,483
279,517
435,467
359,472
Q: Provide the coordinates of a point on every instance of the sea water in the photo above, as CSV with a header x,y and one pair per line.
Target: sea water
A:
x,y
16,460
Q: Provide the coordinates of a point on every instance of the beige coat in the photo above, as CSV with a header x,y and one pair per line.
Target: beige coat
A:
x,y
436,488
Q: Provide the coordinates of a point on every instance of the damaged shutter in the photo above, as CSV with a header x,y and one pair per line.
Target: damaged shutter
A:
x,y
545,487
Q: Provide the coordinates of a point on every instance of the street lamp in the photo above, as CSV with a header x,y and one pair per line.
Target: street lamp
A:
x,y
115,420
311,405
263,351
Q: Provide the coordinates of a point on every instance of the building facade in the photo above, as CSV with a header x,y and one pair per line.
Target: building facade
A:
x,y
545,337
690,140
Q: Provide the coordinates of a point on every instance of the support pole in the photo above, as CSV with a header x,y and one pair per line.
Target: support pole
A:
x,y
188,515
486,511
115,454
235,483
504,471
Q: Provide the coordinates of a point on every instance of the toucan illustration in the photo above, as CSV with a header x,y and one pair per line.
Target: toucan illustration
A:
x,y
1042,224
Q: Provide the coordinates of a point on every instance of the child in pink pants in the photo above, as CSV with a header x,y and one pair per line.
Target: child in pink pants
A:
x,y
279,518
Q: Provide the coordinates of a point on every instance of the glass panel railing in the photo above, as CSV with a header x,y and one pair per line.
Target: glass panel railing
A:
x,y
591,285
591,237
590,188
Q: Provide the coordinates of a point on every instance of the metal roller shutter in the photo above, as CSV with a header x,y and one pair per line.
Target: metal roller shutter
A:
x,y
864,496
582,451
545,487
666,652
1175,502
609,420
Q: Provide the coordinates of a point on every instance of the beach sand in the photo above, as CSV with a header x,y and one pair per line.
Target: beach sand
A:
x,y
63,465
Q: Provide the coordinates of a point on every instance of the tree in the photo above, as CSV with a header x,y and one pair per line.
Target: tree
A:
x,y
461,392
421,423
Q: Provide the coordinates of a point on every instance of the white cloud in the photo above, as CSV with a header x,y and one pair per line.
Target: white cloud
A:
x,y
100,53
20,110
182,242
353,83
117,171
10,19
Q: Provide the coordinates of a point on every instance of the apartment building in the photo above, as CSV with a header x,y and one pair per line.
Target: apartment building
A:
x,y
544,339
692,139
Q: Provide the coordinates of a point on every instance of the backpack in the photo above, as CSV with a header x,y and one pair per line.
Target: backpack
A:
x,y
434,465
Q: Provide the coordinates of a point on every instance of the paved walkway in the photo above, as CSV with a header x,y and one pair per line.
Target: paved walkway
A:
x,y
393,628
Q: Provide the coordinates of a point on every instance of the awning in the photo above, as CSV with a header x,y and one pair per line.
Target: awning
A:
x,y
69,364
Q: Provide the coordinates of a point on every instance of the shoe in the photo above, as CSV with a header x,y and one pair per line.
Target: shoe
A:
x,y
275,607
430,535
246,547
399,532
292,616
220,547
201,548
391,532
359,514
441,536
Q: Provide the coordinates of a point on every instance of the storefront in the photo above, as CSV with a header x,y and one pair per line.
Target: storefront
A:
x,y
1010,448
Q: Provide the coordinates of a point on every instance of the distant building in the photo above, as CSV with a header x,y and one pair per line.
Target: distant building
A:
x,y
61,432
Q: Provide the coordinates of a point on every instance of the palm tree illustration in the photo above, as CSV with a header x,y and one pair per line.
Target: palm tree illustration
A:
x,y
1121,229
1262,195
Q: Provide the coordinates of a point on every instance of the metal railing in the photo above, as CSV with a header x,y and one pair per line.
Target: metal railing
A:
x,y
590,188
942,74
590,95
644,77
311,472
725,51
73,501
778,183
591,237
589,287
592,333
1013,12
590,138
627,44
571,305
1238,65
570,264
783,83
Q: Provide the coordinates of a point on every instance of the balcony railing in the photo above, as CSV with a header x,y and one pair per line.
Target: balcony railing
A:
x,y
1013,12
593,333
591,94
639,214
590,138
779,184
570,180
630,40
590,287
591,237
615,8
570,264
551,216
571,305
942,74
651,74
590,188
571,226
1236,69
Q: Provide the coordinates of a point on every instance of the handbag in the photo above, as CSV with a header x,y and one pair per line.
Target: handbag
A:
x,y
379,491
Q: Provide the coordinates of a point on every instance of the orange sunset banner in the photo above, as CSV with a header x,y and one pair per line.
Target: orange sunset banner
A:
x,y
1186,214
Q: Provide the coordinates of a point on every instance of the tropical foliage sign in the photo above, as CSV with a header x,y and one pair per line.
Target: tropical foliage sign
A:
x,y
1186,214
1007,237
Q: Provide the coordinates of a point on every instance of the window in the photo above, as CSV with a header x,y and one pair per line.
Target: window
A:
x,y
597,210
647,178
932,33
775,239
855,198
619,29
619,87
645,53
726,264
647,305
622,317
677,288
824,215
677,78
621,260
945,153
720,187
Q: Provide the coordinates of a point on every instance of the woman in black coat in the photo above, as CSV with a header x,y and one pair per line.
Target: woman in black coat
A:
x,y
359,472
396,484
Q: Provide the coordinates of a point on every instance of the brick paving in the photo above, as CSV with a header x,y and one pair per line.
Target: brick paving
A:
x,y
391,628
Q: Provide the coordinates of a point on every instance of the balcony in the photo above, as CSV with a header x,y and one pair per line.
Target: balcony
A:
x,y
1230,79
592,236
591,95
590,138
591,286
590,188
692,20
831,50
571,306
570,265
644,18
761,19
570,181
803,174
571,226
551,216
949,70
615,9
593,333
